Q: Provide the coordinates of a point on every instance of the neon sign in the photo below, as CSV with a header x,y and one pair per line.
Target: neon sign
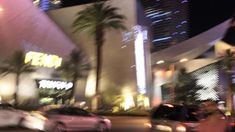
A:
x,y
43,60
54,84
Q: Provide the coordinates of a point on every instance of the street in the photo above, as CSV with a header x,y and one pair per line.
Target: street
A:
x,y
119,124
128,124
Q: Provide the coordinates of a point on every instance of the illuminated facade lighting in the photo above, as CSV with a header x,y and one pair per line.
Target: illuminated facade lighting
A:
x,y
42,59
128,99
124,46
36,2
44,4
160,62
209,82
1,9
183,60
140,60
90,84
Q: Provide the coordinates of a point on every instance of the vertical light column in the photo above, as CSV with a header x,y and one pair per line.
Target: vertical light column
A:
x,y
90,85
140,61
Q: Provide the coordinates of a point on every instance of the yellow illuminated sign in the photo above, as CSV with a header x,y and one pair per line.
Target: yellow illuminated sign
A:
x,y
42,59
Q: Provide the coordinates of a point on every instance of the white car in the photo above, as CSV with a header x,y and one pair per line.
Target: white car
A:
x,y
67,119
10,116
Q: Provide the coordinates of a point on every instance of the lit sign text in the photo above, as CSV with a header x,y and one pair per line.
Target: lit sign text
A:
x,y
53,84
42,59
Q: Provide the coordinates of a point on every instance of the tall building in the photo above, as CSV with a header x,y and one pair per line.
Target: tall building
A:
x,y
178,20
169,22
47,4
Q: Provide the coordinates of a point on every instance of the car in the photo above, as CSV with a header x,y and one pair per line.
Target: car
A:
x,y
67,118
9,116
174,118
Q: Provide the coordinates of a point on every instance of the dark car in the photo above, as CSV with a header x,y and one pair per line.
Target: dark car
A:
x,y
174,118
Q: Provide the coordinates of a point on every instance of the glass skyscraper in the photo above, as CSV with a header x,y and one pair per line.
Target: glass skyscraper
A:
x,y
169,22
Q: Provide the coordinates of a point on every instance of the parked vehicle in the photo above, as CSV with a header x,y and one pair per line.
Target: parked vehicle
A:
x,y
174,118
10,116
67,119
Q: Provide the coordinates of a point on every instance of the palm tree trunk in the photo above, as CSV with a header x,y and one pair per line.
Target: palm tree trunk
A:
x,y
98,68
16,89
99,42
73,88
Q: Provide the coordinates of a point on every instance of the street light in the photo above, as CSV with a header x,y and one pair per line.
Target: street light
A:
x,y
160,62
1,9
183,60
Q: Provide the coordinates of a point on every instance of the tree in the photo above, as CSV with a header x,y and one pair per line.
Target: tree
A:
x,y
228,62
74,68
17,66
95,19
185,87
110,98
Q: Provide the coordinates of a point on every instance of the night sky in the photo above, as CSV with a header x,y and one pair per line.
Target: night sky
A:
x,y
205,14
66,3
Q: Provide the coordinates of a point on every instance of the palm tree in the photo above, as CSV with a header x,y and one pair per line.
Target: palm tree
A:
x,y
185,87
17,66
228,62
95,19
74,68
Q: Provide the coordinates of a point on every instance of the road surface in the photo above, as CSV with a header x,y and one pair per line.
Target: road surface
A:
x,y
128,124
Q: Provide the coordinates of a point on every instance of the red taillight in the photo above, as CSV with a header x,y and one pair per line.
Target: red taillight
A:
x,y
232,124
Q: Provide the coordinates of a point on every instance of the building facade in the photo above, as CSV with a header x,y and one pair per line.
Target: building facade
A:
x,y
44,44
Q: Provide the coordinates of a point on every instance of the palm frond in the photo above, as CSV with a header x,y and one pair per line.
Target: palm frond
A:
x,y
116,24
99,14
15,64
75,66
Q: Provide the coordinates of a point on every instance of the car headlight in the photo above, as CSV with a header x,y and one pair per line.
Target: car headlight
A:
x,y
180,128
107,120
163,128
148,125
39,116
35,121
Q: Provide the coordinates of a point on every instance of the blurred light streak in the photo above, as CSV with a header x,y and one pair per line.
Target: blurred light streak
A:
x,y
128,99
160,62
140,63
160,39
90,85
183,60
1,9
